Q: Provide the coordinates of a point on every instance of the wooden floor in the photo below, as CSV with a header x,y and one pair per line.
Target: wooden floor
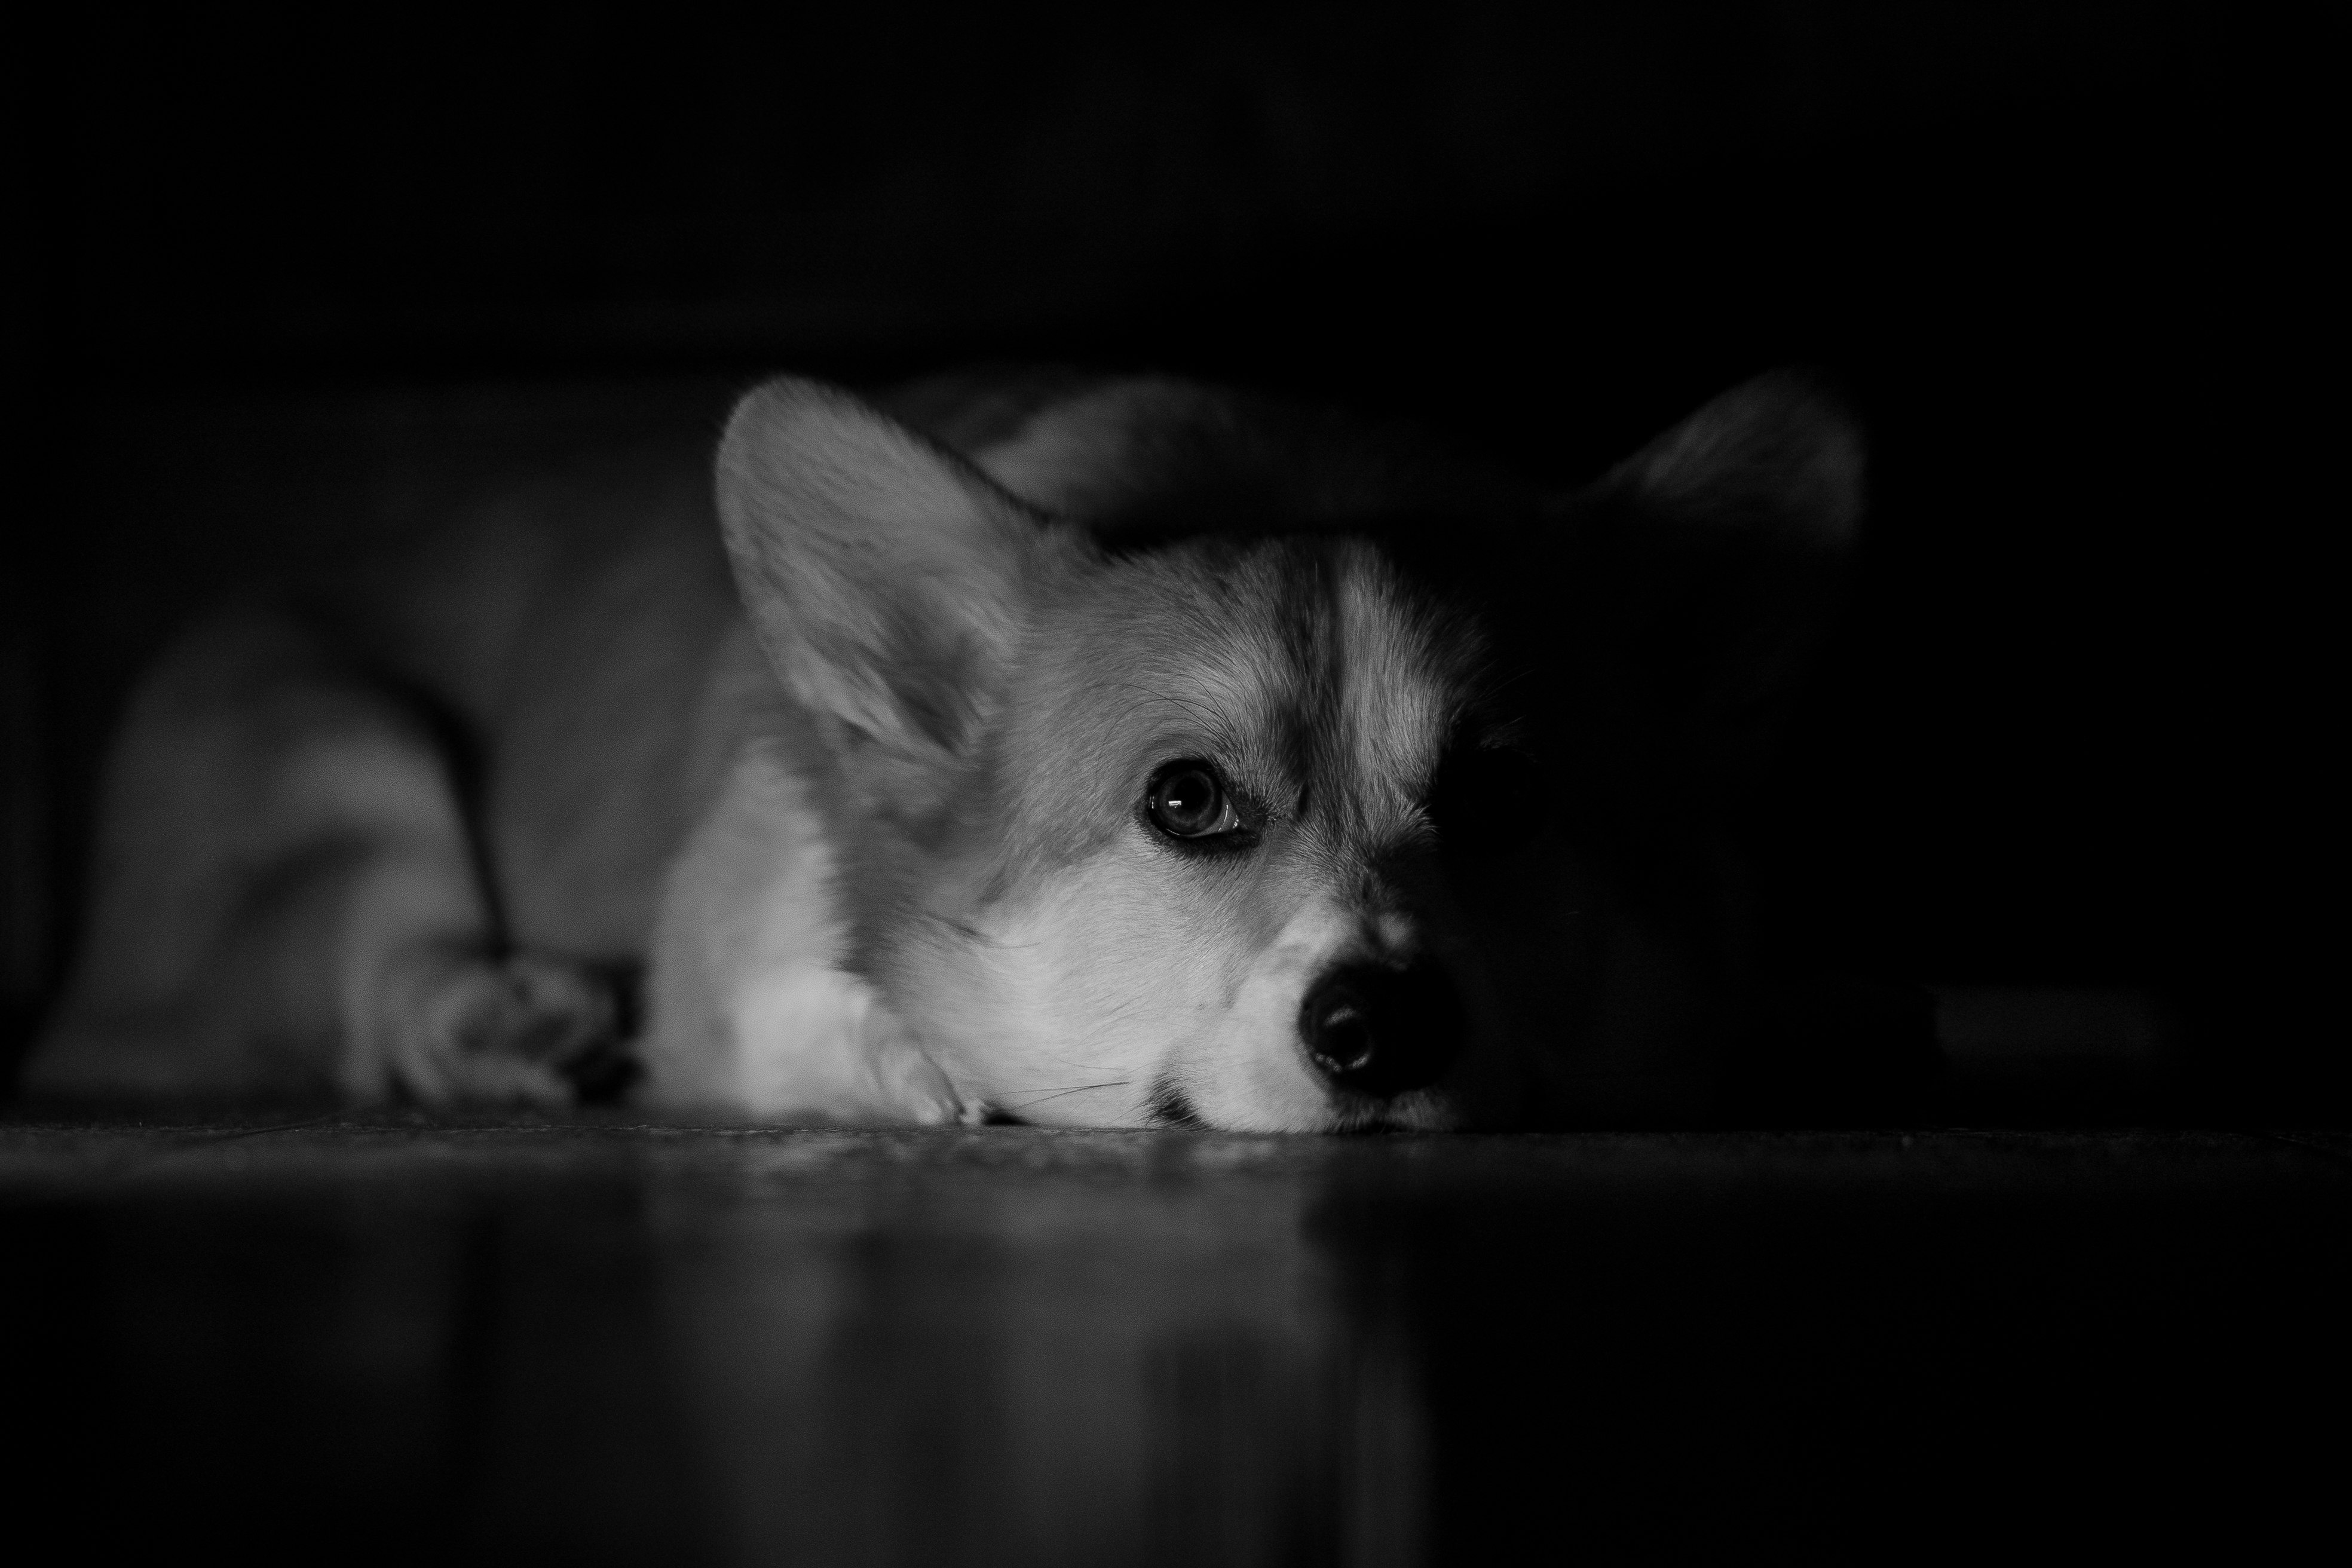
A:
x,y
599,1342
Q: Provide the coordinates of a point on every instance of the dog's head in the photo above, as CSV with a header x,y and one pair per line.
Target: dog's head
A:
x,y
1197,760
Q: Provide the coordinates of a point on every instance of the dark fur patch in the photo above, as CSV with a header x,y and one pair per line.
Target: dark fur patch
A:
x,y
1169,1108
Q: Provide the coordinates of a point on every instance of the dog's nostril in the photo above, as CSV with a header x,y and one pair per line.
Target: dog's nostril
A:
x,y
1382,1031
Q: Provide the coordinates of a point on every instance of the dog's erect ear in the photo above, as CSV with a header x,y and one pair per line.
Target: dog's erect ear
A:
x,y
1778,459
885,577
1706,569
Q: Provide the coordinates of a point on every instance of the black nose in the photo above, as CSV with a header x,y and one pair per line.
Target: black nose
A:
x,y
1382,1031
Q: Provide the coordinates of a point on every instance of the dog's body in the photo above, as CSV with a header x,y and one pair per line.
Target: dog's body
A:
x,y
1109,752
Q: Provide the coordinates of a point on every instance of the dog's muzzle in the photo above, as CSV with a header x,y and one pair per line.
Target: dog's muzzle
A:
x,y
1379,1031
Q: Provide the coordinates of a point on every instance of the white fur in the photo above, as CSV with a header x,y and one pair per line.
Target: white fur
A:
x,y
1080,1001
753,1014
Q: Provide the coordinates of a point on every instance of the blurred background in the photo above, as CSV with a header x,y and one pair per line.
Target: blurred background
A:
x,y
2066,258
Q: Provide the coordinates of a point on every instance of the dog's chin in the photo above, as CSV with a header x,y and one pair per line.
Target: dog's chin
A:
x,y
1423,1110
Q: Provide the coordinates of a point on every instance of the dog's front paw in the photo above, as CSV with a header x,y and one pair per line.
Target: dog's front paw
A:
x,y
905,1083
517,1030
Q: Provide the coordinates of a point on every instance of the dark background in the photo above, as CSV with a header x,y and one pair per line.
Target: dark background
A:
x,y
2065,257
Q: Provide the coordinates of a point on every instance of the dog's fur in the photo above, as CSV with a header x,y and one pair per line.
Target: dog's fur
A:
x,y
866,788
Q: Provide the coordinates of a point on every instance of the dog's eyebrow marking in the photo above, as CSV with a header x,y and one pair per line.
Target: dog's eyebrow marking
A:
x,y
1169,1108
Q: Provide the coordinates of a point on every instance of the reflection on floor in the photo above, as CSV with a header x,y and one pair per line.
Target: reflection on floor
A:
x,y
599,1342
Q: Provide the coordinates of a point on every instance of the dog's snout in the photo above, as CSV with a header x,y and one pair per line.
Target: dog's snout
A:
x,y
1381,1031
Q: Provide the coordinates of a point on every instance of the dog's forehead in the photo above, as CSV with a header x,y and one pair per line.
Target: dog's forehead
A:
x,y
1301,665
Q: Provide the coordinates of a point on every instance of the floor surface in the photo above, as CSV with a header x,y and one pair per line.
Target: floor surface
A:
x,y
599,1342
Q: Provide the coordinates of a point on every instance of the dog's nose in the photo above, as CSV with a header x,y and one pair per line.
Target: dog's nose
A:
x,y
1382,1031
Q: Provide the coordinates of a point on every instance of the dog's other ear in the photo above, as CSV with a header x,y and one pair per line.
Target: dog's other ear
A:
x,y
1779,458
1710,563
885,577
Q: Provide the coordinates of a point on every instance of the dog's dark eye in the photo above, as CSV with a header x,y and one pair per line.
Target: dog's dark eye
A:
x,y
1488,800
1187,801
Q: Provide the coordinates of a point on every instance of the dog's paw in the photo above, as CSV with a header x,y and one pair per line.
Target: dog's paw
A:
x,y
903,1081
508,1031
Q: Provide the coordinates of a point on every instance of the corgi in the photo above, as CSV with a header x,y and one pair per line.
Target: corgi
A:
x,y
1023,746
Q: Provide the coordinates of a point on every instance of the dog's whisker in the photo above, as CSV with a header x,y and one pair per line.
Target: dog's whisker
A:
x,y
965,929
1075,1063
1077,1089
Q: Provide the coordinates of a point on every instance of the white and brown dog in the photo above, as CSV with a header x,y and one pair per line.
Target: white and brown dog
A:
x,y
1105,753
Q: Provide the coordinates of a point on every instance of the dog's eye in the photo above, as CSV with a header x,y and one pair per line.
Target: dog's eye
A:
x,y
1187,801
1488,800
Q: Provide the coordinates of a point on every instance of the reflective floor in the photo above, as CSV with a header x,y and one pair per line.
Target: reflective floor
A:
x,y
596,1342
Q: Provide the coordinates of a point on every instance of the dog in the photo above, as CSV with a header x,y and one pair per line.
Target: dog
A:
x,y
1030,746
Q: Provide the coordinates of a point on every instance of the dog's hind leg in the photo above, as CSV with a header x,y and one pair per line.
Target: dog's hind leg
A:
x,y
289,902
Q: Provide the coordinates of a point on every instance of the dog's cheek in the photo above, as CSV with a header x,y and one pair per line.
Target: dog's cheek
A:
x,y
1087,987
